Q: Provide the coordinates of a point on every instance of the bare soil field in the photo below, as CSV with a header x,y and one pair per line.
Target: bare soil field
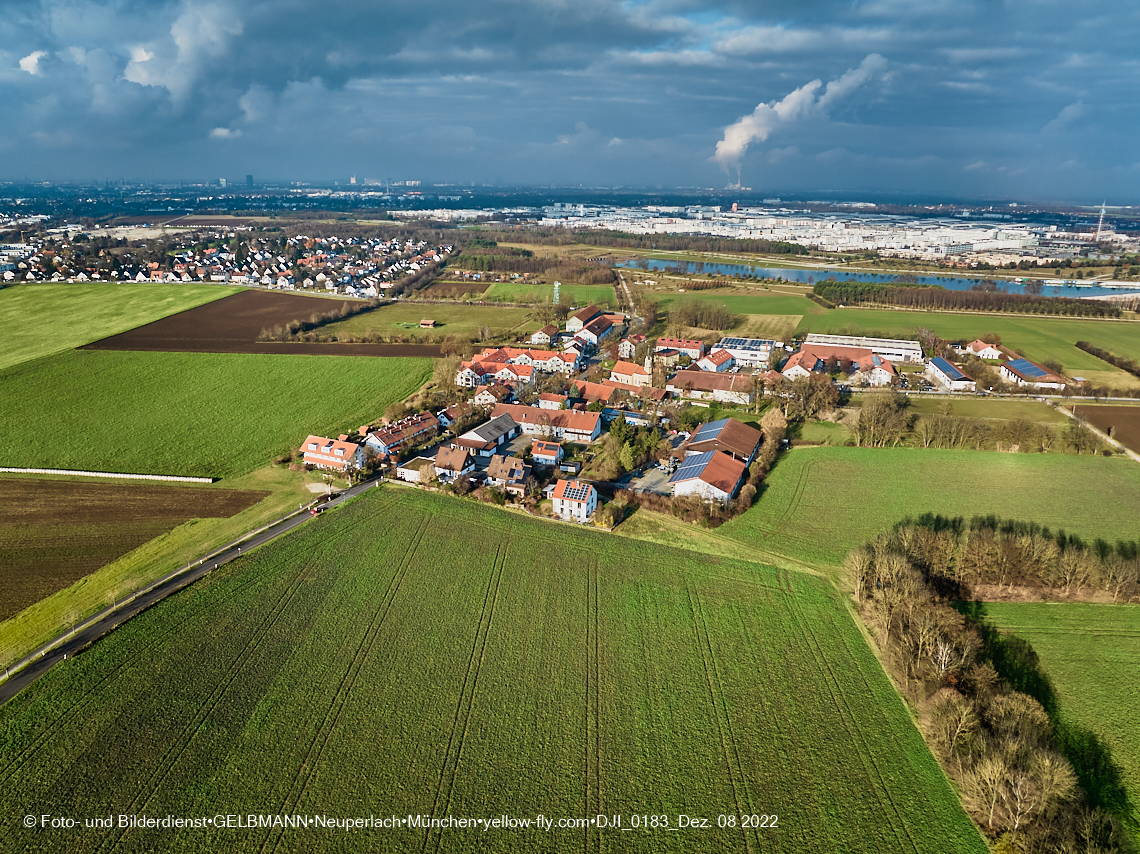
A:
x,y
54,532
233,324
454,290
1122,423
184,221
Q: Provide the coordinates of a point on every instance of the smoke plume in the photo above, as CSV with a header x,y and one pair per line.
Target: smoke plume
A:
x,y
798,104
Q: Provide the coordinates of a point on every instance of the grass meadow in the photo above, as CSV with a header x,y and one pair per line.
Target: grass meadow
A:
x,y
404,319
42,319
818,503
1090,654
200,414
580,295
413,654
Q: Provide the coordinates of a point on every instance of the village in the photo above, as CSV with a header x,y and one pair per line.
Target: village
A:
x,y
531,430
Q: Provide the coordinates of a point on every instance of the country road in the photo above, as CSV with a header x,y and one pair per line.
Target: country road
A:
x,y
67,645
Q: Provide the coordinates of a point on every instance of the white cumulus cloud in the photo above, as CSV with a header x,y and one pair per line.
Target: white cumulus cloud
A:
x,y
31,62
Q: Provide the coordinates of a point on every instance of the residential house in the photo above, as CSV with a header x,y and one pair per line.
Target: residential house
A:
x,y
336,454
546,453
509,473
451,462
595,331
718,361
453,413
415,470
686,346
645,392
552,401
711,475
400,435
628,373
492,394
983,350
569,424
513,365
627,348
592,392
861,363
574,500
544,335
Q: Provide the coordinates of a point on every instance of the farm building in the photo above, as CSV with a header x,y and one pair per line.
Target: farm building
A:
x,y
1026,373
718,361
686,346
728,436
591,392
748,352
704,385
574,500
712,476
546,453
336,454
578,320
509,473
427,323
945,374
646,392
861,363
568,424
595,331
483,440
896,350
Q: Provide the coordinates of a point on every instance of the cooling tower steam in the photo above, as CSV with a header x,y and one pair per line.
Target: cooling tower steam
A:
x,y
811,99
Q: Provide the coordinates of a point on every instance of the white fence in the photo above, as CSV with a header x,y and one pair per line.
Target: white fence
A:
x,y
120,475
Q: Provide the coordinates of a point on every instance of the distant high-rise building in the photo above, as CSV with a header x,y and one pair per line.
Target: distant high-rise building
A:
x,y
249,182
352,180
222,183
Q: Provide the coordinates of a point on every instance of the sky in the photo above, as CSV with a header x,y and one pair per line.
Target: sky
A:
x,y
1028,99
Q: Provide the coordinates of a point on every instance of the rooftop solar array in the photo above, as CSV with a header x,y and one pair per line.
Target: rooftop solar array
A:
x,y
745,344
576,493
1024,366
708,432
949,370
692,467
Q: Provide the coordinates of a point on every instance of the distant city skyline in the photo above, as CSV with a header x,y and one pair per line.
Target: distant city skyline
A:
x,y
1019,100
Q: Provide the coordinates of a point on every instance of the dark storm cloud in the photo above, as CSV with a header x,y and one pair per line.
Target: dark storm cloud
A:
x,y
998,98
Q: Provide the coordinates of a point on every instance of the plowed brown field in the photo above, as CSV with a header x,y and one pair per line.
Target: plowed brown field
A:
x,y
54,532
1123,421
233,324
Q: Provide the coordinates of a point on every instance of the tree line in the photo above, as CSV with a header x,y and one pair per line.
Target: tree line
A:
x,y
1031,782
1129,365
703,314
941,299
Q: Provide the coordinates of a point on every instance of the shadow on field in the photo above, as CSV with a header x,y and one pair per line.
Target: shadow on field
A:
x,y
1017,663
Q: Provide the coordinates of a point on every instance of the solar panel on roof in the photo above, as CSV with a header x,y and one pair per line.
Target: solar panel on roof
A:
x,y
692,467
947,369
575,493
710,431
1026,367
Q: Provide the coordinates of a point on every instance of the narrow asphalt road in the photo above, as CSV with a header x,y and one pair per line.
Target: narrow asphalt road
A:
x,y
70,643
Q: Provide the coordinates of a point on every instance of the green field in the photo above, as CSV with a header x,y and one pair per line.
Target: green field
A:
x,y
755,302
1035,338
202,414
412,654
466,320
48,318
988,408
580,295
818,503
1090,654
